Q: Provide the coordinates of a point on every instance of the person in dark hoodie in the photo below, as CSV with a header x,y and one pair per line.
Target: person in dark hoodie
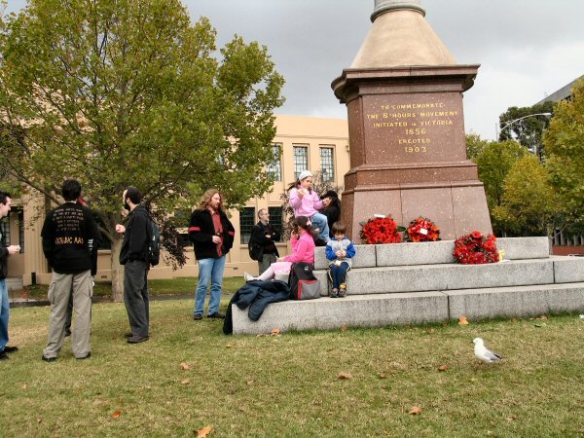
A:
x,y
134,257
5,251
67,234
212,235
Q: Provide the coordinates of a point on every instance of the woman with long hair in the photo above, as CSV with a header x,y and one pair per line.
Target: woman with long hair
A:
x,y
306,202
212,235
302,251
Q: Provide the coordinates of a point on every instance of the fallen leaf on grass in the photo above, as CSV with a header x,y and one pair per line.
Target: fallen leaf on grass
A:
x,y
185,381
442,367
39,420
382,376
116,414
344,376
229,346
511,418
185,366
462,320
202,433
540,324
276,332
415,410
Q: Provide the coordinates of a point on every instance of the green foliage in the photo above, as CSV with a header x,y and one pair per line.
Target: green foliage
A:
x,y
525,126
494,163
528,206
564,142
120,92
475,146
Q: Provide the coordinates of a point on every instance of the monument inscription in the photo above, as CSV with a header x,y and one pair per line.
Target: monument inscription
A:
x,y
410,128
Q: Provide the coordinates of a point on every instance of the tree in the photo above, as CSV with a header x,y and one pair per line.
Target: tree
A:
x,y
526,125
564,143
494,163
120,92
528,206
475,145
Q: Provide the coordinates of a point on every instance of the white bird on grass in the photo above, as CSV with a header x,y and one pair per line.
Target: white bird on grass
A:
x,y
483,353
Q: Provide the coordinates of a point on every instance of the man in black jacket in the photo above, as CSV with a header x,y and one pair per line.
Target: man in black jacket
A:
x,y
5,251
262,240
67,235
134,257
212,235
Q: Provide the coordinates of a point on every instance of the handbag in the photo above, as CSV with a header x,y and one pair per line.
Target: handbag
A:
x,y
303,284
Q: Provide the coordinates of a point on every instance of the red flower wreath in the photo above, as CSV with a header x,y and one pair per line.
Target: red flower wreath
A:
x,y
475,249
422,229
380,230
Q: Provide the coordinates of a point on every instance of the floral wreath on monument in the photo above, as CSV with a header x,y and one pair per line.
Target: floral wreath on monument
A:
x,y
422,229
381,229
475,249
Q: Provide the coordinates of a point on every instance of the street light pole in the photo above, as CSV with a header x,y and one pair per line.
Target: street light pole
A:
x,y
511,122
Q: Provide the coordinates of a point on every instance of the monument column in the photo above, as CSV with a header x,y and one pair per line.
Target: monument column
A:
x,y
406,127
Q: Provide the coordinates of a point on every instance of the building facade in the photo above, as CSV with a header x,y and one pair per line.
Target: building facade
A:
x,y
301,143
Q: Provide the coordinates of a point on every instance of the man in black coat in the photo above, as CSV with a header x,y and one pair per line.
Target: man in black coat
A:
x,y
134,257
262,241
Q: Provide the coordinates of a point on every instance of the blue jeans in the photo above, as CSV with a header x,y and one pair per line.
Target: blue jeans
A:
x,y
319,221
209,270
338,274
4,314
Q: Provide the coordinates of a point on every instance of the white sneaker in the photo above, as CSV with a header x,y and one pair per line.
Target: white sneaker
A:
x,y
248,277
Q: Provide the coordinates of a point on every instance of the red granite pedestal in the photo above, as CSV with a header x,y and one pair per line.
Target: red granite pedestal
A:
x,y
408,153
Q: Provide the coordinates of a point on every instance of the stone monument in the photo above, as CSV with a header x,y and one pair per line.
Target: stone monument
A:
x,y
406,128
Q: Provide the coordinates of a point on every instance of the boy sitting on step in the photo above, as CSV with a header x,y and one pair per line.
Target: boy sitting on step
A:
x,y
339,252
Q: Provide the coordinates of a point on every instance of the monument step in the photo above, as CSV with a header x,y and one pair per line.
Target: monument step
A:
x,y
443,277
413,308
432,253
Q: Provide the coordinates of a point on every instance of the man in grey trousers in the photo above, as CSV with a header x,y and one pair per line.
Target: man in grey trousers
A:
x,y
69,233
134,257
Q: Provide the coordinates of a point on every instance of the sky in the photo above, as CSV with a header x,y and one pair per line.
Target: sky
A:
x,y
527,49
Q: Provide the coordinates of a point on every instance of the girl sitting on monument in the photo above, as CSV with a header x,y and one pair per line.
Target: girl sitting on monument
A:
x,y
306,202
302,252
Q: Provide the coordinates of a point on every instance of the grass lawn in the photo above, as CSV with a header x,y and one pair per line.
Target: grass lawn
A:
x,y
289,385
173,286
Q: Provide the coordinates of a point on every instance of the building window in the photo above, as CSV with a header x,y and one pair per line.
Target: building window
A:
x,y
300,160
21,230
327,163
5,229
246,223
275,166
276,219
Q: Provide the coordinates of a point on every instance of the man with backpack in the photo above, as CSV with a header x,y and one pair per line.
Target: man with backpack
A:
x,y
262,246
135,256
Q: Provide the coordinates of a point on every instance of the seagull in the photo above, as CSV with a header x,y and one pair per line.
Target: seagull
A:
x,y
483,353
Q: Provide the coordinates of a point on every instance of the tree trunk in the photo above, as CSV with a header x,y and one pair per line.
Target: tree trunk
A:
x,y
117,271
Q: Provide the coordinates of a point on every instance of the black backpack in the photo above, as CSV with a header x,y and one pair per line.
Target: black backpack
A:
x,y
153,243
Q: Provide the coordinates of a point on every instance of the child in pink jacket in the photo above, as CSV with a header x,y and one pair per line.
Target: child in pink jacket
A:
x,y
302,251
306,202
